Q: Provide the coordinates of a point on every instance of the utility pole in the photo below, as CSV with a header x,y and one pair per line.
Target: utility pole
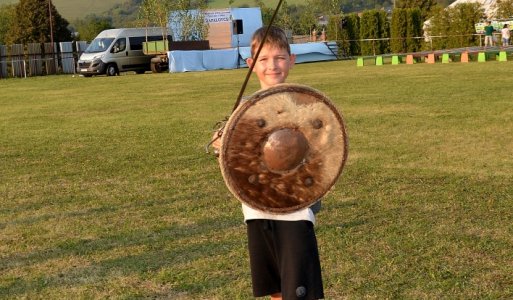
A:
x,y
51,22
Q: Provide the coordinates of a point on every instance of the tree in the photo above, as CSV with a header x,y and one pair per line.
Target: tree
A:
x,y
438,28
186,17
32,23
374,31
414,29
398,30
454,26
306,20
351,29
462,23
425,6
267,12
328,7
284,18
89,27
7,15
504,9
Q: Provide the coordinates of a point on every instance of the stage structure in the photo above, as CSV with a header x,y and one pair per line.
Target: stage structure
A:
x,y
222,33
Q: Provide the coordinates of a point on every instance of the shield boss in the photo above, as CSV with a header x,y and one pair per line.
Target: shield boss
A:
x,y
283,148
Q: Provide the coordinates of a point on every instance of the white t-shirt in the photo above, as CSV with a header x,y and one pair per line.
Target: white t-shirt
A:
x,y
505,33
305,214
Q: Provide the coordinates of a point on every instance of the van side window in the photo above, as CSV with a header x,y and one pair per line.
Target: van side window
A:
x,y
136,41
119,45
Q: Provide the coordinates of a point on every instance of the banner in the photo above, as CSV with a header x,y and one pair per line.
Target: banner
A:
x,y
217,16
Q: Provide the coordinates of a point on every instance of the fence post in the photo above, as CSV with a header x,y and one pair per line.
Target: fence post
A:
x,y
3,61
67,60
34,58
51,60
17,60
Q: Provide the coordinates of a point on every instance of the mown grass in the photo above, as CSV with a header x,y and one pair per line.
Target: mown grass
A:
x,y
106,191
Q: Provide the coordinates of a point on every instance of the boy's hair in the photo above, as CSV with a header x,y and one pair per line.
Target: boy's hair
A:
x,y
275,38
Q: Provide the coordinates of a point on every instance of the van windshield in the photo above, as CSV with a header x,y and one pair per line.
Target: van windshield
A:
x,y
99,45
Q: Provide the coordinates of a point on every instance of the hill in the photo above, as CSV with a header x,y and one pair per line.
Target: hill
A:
x,y
75,9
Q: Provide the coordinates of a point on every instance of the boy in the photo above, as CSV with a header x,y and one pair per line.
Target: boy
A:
x,y
488,34
283,251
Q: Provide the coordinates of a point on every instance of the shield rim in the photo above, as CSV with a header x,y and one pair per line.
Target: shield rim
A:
x,y
237,115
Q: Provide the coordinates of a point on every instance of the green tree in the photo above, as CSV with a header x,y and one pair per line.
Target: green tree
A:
x,y
351,29
462,23
374,30
328,7
7,15
384,32
334,28
32,23
438,28
398,30
124,14
89,27
186,15
504,9
267,12
425,6
454,26
284,18
414,29
345,29
306,20
369,32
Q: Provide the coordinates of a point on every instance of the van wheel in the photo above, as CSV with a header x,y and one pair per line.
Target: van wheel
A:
x,y
112,70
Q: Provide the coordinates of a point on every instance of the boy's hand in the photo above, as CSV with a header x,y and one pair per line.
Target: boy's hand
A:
x,y
216,144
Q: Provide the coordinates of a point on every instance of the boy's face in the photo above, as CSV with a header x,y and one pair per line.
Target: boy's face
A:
x,y
272,66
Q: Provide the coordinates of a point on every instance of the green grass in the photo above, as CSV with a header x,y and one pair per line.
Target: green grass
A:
x,y
105,191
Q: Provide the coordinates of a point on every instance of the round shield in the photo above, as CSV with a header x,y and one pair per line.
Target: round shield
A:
x,y
283,148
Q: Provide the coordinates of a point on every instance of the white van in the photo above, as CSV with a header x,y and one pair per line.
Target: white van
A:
x,y
118,50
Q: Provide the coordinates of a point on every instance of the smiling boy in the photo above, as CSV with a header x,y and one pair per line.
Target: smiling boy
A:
x,y
283,250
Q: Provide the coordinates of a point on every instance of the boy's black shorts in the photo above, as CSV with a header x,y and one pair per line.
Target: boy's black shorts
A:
x,y
284,258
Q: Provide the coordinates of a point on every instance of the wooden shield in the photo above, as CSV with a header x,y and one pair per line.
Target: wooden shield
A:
x,y
283,148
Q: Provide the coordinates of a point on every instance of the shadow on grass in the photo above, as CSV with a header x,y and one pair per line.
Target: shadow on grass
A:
x,y
163,250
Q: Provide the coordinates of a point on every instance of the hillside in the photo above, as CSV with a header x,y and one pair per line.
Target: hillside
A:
x,y
73,9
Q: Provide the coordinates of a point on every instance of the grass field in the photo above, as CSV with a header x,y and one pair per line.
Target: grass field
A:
x,y
106,192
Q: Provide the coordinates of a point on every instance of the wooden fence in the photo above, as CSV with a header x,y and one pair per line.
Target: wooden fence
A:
x,y
37,59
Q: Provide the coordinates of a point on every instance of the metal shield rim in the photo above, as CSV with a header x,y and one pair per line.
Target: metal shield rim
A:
x,y
237,115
